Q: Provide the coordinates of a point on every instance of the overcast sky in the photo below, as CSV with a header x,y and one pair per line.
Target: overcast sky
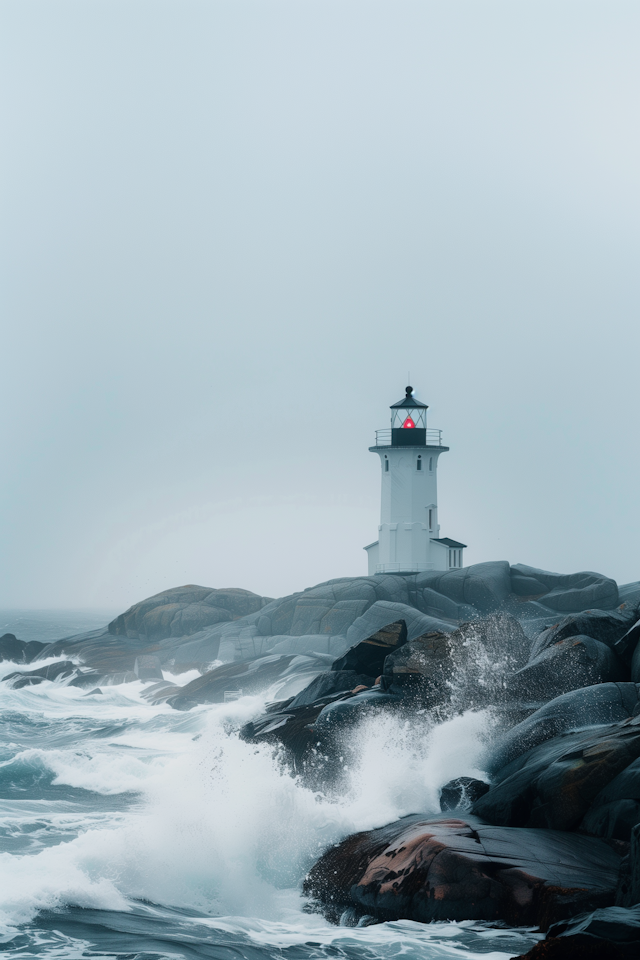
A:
x,y
231,229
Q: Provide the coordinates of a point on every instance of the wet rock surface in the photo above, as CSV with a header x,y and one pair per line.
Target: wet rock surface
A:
x,y
455,869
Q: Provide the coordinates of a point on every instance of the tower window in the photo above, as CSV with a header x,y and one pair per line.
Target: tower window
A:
x,y
430,519
386,465
430,464
419,465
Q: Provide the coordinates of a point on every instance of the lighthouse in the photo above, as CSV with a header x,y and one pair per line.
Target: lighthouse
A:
x,y
409,538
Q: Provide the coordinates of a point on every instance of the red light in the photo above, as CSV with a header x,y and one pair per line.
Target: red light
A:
x,y
408,423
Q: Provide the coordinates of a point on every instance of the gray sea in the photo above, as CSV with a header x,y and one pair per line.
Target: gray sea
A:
x,y
136,831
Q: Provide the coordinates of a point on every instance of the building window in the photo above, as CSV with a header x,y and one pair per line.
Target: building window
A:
x,y
419,463
430,519
386,465
430,464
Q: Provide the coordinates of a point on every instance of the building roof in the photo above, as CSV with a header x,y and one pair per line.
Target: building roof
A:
x,y
409,401
447,542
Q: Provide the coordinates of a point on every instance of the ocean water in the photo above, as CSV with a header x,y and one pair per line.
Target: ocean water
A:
x,y
136,831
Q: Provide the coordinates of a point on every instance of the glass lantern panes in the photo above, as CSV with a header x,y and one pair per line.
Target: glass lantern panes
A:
x,y
409,418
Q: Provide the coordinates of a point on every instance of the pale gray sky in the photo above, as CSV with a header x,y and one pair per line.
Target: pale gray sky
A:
x,y
231,228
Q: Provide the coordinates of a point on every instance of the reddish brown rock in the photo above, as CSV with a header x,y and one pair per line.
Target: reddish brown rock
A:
x,y
450,869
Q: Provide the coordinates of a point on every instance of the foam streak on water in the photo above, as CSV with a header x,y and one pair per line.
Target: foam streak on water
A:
x,y
139,830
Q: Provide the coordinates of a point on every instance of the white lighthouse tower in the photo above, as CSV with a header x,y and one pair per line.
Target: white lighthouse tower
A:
x,y
409,538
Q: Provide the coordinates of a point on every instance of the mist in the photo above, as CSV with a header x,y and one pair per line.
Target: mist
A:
x,y
232,230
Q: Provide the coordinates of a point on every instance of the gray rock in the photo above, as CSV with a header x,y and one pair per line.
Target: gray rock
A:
x,y
554,784
607,627
461,793
368,656
147,667
616,809
599,704
569,664
484,586
565,593
327,684
183,611
383,612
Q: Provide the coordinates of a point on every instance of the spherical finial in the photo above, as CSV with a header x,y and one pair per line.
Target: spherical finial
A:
x,y
409,391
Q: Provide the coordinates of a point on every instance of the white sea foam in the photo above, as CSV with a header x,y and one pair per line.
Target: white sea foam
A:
x,y
221,827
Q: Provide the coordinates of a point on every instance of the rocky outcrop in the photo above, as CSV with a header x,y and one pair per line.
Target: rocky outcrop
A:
x,y
19,651
183,611
568,593
554,784
460,869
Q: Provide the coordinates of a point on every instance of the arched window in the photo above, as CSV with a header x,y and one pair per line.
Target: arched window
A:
x,y
430,464
419,464
386,465
430,519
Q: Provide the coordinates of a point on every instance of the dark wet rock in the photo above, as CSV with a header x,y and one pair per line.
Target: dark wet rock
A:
x,y
554,784
612,924
461,793
594,705
329,683
607,627
94,693
340,714
628,892
460,869
565,592
368,656
571,663
53,671
10,647
383,612
183,611
19,651
291,728
635,659
147,667
581,946
616,809
424,664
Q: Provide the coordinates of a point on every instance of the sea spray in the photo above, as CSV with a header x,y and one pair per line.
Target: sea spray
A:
x,y
220,826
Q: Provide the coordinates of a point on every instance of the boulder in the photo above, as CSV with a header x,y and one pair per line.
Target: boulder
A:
x,y
367,657
598,704
484,586
571,663
565,592
183,611
555,783
19,651
607,627
612,924
616,809
147,667
462,793
329,683
424,666
460,869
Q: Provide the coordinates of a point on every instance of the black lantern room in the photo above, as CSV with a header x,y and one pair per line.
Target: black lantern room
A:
x,y
409,422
